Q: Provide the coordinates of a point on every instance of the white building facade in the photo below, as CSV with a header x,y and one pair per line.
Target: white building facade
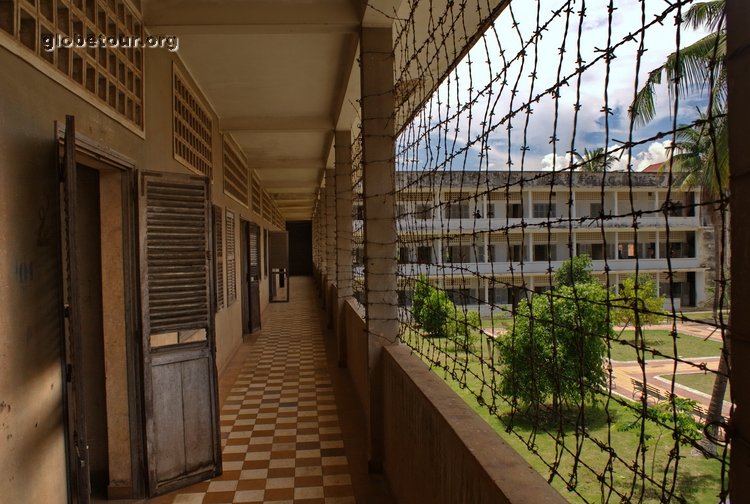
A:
x,y
490,237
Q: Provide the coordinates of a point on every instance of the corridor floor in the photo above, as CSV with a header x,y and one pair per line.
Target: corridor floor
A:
x,y
281,435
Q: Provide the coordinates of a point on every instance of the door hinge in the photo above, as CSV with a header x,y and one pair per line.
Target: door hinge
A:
x,y
66,311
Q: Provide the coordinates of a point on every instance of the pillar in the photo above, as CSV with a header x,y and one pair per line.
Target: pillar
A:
x,y
330,238
379,182
738,68
343,163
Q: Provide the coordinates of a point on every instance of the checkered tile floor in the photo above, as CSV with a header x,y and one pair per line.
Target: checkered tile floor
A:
x,y
280,428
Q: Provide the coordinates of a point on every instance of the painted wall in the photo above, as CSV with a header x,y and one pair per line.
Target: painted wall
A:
x,y
32,466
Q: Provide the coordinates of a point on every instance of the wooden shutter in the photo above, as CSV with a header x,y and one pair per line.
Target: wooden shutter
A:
x,y
231,261
174,262
218,257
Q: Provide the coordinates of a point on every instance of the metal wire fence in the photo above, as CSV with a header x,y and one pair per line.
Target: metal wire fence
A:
x,y
562,198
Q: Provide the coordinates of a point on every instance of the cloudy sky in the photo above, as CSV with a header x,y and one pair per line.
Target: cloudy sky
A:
x,y
499,80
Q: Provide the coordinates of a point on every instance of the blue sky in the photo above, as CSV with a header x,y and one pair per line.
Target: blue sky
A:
x,y
487,62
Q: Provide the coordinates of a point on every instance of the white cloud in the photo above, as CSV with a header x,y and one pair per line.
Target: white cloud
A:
x,y
656,153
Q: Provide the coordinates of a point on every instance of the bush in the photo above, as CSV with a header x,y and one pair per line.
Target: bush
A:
x,y
557,347
439,317
642,301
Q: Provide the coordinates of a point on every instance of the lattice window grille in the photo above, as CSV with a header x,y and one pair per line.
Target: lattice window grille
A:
x,y
256,195
236,175
193,127
114,77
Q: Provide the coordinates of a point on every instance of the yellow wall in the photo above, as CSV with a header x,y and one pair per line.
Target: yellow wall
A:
x,y
32,466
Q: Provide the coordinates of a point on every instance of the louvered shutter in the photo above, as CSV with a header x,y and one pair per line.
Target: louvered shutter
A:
x,y
218,257
231,258
175,271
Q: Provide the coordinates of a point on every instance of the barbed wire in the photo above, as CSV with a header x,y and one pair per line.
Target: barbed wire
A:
x,y
489,230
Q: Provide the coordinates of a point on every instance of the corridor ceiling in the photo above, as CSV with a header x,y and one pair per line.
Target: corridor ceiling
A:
x,y
282,76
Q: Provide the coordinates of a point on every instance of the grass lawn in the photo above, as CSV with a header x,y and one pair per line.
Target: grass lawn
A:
x,y
661,341
698,480
704,382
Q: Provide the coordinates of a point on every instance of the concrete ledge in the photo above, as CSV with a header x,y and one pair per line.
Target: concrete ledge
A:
x,y
357,361
438,450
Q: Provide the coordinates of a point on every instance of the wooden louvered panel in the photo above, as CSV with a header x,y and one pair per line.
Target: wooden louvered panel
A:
x,y
231,261
175,253
218,257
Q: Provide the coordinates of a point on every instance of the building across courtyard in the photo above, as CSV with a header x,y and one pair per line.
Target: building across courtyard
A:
x,y
488,238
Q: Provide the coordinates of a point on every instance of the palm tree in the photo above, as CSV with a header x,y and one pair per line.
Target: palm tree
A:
x,y
595,160
702,151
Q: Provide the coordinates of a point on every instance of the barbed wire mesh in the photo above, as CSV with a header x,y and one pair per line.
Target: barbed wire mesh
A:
x,y
562,214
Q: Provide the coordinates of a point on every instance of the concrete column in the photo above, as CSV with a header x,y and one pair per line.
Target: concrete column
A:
x,y
615,203
738,68
330,237
657,252
379,182
343,160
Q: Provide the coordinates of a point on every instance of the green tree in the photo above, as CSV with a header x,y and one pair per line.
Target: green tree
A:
x,y
702,151
421,290
557,346
595,160
637,302
575,270
436,313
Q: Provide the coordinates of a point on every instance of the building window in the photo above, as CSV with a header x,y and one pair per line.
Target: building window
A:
x,y
544,210
457,211
516,253
424,255
516,211
404,255
423,212
545,252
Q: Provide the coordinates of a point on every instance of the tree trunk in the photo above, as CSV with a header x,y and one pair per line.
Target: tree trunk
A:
x,y
716,405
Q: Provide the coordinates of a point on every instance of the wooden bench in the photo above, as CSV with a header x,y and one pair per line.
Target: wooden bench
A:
x,y
637,387
654,392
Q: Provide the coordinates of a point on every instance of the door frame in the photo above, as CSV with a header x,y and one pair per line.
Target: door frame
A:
x,y
91,153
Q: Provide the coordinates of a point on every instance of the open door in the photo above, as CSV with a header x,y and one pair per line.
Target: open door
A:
x,y
278,262
180,386
74,401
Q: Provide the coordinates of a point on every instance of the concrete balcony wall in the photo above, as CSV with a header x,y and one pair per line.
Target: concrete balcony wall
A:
x,y
436,448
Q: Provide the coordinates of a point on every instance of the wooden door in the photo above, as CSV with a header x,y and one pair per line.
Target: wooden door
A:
x,y
180,387
77,445
253,275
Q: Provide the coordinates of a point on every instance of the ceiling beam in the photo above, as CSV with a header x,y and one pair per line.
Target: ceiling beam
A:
x,y
276,124
281,164
286,185
259,16
255,29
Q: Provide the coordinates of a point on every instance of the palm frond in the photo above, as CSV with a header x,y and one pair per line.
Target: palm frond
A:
x,y
709,14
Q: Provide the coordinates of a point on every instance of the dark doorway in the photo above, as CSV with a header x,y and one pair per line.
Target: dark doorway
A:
x,y
88,255
300,247
250,265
